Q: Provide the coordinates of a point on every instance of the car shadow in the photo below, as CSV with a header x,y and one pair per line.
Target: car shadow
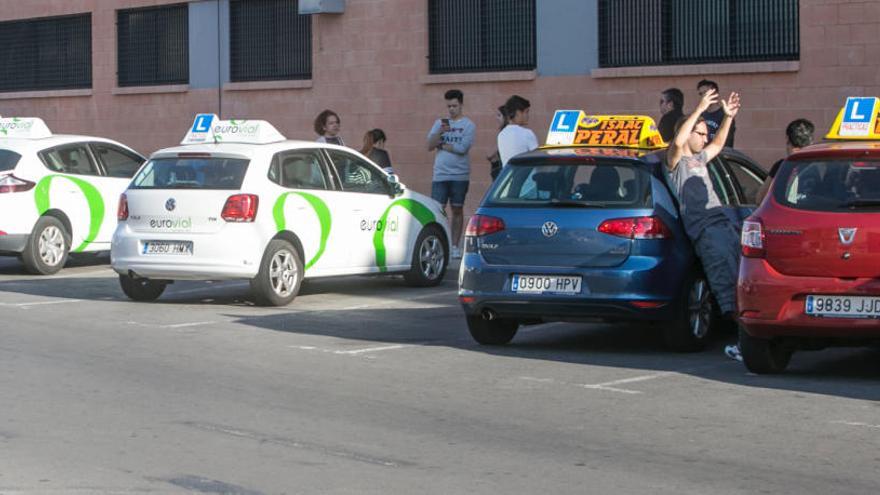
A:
x,y
841,372
10,265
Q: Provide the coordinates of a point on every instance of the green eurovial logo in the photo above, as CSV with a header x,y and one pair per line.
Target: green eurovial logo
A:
x,y
321,210
93,199
421,213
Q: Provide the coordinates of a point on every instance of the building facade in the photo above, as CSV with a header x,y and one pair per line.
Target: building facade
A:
x,y
138,70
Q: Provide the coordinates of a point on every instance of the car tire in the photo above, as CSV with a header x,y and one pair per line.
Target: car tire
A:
x,y
763,356
142,289
429,259
492,332
47,247
280,276
691,331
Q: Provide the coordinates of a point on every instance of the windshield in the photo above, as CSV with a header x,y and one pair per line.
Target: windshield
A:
x,y
8,160
829,185
596,184
191,173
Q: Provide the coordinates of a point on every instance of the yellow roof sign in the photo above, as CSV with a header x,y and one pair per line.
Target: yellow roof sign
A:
x,y
574,127
857,120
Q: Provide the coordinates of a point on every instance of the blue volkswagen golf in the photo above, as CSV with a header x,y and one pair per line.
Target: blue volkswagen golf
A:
x,y
579,232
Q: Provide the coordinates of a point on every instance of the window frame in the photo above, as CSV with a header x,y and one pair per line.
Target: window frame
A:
x,y
376,170
105,171
729,163
43,155
329,182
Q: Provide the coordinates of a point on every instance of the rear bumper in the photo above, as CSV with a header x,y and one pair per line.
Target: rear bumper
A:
x,y
771,304
13,243
610,293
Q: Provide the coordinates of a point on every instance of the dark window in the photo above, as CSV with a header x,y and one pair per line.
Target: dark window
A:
x,y
8,160
481,35
269,40
117,162
825,185
357,175
298,170
748,180
191,173
661,32
46,53
70,159
153,45
721,182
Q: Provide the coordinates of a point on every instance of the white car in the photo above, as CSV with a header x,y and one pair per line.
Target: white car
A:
x,y
239,201
57,192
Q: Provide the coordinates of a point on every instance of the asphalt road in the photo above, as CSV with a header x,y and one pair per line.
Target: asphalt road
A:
x,y
363,385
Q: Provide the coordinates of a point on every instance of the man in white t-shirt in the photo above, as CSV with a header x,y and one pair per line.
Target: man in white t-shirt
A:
x,y
516,138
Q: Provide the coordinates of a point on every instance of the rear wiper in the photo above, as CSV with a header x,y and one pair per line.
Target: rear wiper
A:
x,y
862,203
576,202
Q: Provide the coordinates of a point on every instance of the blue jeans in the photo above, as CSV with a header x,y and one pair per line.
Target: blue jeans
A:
x,y
718,248
452,191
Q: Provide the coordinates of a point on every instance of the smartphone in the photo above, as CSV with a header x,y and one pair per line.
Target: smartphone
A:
x,y
445,122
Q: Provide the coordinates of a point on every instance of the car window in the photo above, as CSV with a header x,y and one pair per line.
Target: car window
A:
x,y
8,160
720,183
357,175
749,182
829,185
191,173
298,170
600,184
70,159
117,162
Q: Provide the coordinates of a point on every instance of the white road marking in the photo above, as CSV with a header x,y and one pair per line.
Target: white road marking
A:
x,y
173,325
856,423
371,349
606,386
41,303
353,352
631,380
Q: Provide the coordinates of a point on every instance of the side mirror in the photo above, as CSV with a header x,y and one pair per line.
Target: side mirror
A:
x,y
394,185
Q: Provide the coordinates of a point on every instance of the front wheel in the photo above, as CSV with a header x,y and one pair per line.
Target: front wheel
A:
x,y
280,276
429,259
690,332
763,356
142,289
47,248
492,332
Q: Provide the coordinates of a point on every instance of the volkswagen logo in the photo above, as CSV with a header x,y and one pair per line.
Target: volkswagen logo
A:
x,y
170,204
847,235
549,229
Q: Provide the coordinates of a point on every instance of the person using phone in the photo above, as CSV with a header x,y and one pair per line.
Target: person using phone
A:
x,y
452,138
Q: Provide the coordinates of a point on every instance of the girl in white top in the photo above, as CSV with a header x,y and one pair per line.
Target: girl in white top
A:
x,y
516,138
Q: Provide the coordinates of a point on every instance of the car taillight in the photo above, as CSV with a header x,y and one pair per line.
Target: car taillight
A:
x,y
753,239
240,208
480,225
636,228
11,183
122,209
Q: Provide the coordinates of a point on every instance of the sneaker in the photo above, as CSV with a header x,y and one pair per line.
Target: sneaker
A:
x,y
733,352
455,252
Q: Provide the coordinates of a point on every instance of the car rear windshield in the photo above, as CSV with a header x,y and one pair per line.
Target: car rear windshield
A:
x,y
191,173
8,160
596,184
829,185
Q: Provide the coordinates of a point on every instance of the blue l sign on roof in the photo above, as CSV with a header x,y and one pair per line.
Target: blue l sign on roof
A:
x,y
202,123
565,121
858,116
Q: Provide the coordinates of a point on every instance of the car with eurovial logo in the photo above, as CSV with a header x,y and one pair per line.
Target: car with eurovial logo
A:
x,y
810,273
237,200
58,192
587,227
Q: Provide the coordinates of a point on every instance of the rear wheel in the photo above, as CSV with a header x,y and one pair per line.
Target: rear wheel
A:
x,y
142,289
429,259
691,331
280,276
763,356
47,248
492,332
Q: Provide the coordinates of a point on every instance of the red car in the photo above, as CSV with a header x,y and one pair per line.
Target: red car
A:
x,y
810,273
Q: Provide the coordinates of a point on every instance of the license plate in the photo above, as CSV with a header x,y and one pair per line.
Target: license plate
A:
x,y
546,284
843,306
180,248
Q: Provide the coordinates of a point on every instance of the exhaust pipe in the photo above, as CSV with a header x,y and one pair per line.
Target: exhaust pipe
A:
x,y
489,315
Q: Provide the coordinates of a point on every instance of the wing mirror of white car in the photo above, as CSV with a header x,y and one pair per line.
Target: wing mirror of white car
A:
x,y
395,186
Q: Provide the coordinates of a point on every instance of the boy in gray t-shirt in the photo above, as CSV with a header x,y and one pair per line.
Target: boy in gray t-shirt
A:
x,y
714,235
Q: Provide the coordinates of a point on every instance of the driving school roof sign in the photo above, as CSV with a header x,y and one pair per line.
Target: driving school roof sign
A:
x,y
857,120
208,128
24,127
574,127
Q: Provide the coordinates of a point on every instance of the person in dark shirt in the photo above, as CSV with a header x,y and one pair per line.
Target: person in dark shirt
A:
x,y
671,104
374,149
714,115
798,133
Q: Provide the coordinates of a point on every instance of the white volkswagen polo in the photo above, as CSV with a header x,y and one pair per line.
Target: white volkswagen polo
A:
x,y
238,201
57,192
